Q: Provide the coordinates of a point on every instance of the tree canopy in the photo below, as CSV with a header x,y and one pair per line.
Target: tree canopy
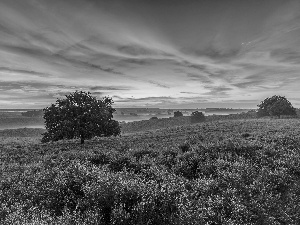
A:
x,y
275,106
80,115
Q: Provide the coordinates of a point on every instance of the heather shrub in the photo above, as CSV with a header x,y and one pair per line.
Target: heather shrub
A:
x,y
167,158
120,163
188,165
245,135
139,154
222,179
99,159
185,147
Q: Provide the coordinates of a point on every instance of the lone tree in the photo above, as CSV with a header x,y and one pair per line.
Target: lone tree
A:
x,y
80,115
178,114
197,117
275,106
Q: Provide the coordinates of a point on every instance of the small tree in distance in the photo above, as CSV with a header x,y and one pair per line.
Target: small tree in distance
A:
x,y
275,106
80,115
197,117
178,114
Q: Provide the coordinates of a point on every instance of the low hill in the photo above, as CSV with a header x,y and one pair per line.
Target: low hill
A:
x,y
17,122
144,125
219,172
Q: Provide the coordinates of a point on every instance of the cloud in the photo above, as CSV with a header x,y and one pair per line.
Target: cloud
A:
x,y
140,62
188,92
201,78
135,50
247,84
158,84
220,91
111,88
286,55
213,53
191,51
22,71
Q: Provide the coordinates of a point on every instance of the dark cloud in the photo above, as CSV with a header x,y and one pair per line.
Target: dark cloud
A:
x,y
138,61
78,63
219,91
28,86
201,78
22,71
6,30
27,51
247,84
141,62
286,55
185,63
203,69
158,84
111,88
135,50
213,53
48,56
188,92
21,85
145,100
99,93
98,67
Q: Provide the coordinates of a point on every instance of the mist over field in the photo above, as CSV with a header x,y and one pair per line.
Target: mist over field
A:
x,y
13,119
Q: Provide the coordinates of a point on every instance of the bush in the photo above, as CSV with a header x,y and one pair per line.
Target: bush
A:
x,y
245,135
188,165
185,147
197,117
178,114
275,106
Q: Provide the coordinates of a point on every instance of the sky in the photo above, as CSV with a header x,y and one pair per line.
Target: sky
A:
x,y
150,53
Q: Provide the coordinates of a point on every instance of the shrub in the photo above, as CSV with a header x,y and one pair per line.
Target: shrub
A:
x,y
185,147
178,114
188,165
99,159
275,106
197,117
245,135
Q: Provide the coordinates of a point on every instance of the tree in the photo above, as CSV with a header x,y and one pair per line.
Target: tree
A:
x,y
178,114
197,117
275,106
80,115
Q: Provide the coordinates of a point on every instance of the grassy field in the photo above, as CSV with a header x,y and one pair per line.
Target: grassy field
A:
x,y
219,172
